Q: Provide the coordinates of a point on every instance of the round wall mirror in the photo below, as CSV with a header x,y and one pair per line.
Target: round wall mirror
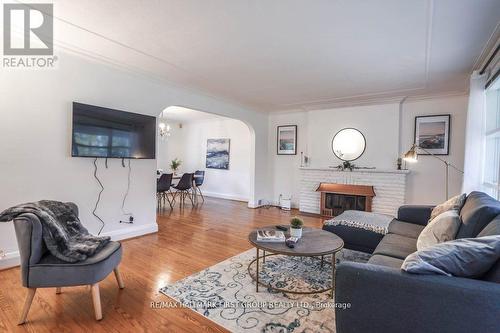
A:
x,y
348,144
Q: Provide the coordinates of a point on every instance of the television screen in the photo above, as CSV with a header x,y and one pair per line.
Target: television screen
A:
x,y
102,132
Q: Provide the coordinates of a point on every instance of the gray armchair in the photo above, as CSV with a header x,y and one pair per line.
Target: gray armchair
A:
x,y
40,269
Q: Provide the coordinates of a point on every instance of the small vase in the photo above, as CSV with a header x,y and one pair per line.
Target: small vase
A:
x,y
296,232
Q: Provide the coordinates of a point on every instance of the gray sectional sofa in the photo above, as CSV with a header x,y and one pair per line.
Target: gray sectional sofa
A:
x,y
384,298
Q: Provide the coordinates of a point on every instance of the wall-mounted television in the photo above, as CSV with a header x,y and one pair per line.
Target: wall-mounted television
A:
x,y
108,133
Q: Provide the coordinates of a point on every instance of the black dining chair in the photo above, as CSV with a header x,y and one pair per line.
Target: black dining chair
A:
x,y
163,189
183,187
198,181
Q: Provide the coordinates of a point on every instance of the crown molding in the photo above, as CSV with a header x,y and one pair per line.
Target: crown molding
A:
x,y
488,49
373,100
444,94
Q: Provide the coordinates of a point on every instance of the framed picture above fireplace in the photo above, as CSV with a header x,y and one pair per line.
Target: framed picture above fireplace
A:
x,y
432,133
287,140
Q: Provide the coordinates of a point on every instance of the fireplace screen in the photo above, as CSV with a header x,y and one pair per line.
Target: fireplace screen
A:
x,y
338,203
337,198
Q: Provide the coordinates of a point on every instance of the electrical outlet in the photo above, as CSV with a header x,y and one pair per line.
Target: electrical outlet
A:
x,y
130,220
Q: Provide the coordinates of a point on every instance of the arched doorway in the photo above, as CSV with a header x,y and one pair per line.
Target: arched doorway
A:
x,y
192,137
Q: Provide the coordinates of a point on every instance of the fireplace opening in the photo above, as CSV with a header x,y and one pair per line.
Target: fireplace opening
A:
x,y
341,202
337,198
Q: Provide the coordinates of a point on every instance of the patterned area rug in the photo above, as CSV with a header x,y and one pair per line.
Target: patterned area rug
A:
x,y
225,293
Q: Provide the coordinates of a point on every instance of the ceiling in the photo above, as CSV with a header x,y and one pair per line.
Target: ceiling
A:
x,y
179,114
273,55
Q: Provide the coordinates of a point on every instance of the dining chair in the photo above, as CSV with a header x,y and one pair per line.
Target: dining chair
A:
x,y
198,181
183,187
163,189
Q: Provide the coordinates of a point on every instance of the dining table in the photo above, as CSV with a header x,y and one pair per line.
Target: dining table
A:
x,y
178,176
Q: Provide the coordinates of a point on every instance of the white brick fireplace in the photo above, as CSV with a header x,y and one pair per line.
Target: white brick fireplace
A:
x,y
389,186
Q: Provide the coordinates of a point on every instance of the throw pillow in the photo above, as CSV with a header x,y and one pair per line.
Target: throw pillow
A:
x,y
493,228
465,257
454,203
441,229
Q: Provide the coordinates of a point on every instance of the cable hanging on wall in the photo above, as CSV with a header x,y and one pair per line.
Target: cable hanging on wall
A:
x,y
126,193
98,197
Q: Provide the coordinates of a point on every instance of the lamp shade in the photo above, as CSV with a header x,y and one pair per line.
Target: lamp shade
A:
x,y
411,155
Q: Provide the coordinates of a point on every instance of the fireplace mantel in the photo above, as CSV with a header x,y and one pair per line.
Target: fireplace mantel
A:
x,y
334,169
364,190
389,186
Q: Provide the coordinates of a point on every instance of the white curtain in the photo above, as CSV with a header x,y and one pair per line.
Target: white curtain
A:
x,y
474,134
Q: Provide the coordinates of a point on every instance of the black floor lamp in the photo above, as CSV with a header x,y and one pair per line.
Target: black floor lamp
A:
x,y
412,156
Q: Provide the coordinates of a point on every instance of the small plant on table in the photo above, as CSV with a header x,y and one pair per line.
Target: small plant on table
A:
x,y
296,224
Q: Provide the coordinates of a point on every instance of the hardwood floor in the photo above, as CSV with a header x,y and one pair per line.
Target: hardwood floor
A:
x,y
189,240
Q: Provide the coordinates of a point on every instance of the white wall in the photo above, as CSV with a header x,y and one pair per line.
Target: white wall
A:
x,y
380,125
316,129
189,144
35,124
285,168
426,182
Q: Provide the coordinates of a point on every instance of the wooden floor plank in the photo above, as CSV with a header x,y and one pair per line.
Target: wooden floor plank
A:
x,y
188,241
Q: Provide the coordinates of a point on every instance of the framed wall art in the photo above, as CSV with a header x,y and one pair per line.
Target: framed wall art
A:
x,y
218,154
432,134
287,140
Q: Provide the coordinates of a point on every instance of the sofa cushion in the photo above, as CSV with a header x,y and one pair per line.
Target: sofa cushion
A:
x,y
493,275
442,228
493,228
396,246
455,203
466,257
356,238
386,261
406,229
416,214
478,211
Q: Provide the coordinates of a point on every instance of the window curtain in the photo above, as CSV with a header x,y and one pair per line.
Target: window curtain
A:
x,y
474,134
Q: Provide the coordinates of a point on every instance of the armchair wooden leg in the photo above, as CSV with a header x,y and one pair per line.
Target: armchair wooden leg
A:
x,y
58,290
118,277
96,299
27,305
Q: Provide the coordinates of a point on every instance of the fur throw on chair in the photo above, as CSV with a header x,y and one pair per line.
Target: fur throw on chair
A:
x,y
64,235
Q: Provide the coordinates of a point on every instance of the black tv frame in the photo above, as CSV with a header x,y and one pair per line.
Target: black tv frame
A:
x,y
113,110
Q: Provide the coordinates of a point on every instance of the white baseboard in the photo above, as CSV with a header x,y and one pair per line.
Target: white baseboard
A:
x,y
253,204
12,259
224,196
130,231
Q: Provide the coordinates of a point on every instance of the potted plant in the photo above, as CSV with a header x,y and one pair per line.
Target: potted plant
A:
x,y
296,224
175,164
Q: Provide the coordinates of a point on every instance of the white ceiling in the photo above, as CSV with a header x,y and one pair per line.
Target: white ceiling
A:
x,y
287,54
179,114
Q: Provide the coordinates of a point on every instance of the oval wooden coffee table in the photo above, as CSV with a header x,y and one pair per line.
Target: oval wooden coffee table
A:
x,y
314,243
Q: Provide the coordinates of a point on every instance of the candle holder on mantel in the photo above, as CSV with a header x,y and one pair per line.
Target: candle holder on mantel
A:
x,y
346,165
304,160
